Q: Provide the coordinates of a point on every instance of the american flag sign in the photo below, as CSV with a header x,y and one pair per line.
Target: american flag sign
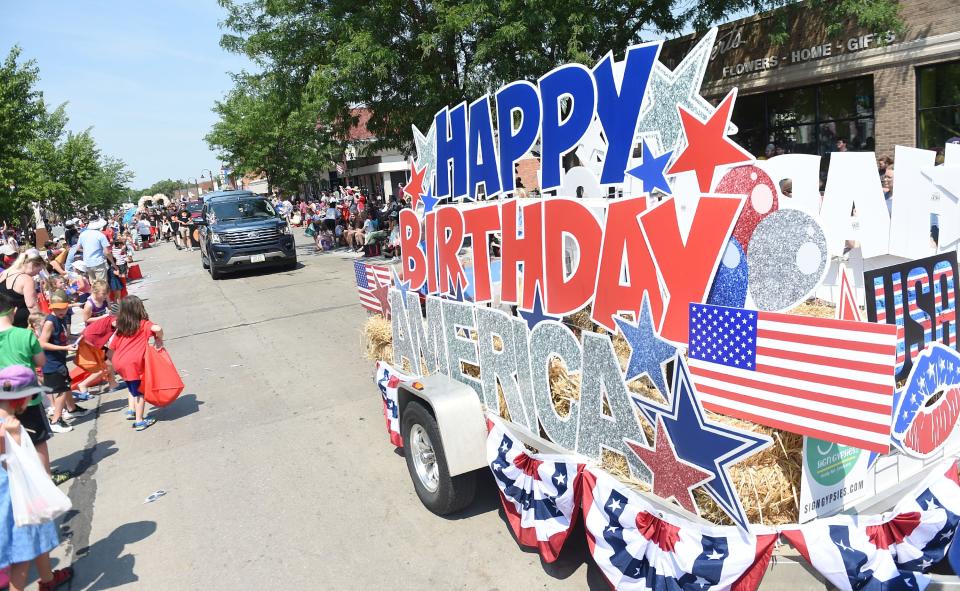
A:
x,y
825,378
373,282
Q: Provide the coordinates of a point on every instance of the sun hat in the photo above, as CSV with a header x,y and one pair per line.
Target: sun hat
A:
x,y
97,224
17,381
8,250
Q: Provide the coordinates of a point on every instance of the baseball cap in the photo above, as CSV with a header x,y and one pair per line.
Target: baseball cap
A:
x,y
17,381
59,300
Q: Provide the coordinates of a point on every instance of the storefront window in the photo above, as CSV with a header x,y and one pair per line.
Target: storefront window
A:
x,y
807,120
938,104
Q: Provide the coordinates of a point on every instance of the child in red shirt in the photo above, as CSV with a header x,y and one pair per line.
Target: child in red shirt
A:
x,y
128,346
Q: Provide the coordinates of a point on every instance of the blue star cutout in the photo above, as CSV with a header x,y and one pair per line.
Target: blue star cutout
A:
x,y
402,286
429,202
535,316
651,170
648,352
709,446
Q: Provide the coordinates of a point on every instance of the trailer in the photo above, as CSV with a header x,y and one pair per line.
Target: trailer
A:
x,y
700,346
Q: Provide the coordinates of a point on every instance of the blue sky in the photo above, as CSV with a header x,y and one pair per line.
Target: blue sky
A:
x,y
143,74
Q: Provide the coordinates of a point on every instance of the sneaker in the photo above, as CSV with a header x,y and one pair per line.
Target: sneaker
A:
x,y
140,426
130,415
81,396
49,411
60,476
60,576
60,426
79,411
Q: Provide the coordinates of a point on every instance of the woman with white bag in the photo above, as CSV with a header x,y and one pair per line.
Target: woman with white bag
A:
x,y
27,495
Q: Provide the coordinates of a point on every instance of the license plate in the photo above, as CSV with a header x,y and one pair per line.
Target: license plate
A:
x,y
257,258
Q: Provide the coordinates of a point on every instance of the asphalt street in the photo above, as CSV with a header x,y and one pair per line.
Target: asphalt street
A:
x,y
276,465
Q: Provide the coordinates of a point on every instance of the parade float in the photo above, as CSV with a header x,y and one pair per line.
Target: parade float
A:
x,y
706,371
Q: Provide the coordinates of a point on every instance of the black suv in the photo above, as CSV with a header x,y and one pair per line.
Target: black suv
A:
x,y
240,230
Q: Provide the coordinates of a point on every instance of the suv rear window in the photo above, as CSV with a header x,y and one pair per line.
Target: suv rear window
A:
x,y
243,209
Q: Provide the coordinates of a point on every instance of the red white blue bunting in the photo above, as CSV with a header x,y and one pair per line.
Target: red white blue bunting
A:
x,y
388,380
890,551
540,492
639,547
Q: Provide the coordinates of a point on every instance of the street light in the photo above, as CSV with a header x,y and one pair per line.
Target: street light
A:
x,y
203,170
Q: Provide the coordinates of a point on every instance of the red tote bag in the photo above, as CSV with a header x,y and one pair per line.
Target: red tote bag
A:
x,y
161,380
134,273
43,302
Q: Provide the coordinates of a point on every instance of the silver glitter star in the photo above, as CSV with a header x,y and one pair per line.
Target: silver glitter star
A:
x,y
659,121
426,149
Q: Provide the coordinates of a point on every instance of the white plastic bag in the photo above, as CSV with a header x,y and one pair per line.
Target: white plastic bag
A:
x,y
35,497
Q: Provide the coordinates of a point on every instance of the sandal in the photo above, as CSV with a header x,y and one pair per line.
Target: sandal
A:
x,y
60,576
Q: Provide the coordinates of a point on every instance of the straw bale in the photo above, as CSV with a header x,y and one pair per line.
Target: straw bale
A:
x,y
767,482
815,307
378,339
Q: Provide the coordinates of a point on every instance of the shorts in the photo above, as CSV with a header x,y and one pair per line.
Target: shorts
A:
x,y
97,273
122,269
58,381
133,386
113,281
34,420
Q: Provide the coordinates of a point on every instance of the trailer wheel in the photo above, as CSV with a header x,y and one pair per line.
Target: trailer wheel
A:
x,y
423,450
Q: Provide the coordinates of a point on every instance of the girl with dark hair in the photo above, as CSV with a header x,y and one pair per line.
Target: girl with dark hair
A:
x,y
128,347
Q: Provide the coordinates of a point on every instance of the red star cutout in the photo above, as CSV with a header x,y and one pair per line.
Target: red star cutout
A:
x,y
673,478
847,308
415,187
380,292
707,143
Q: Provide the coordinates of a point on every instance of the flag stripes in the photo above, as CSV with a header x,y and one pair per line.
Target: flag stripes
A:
x,y
826,378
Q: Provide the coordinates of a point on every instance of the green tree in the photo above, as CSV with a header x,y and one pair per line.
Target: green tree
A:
x,y
261,128
41,162
404,60
107,189
21,107
166,186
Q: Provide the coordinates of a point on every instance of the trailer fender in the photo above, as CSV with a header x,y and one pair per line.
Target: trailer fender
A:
x,y
459,415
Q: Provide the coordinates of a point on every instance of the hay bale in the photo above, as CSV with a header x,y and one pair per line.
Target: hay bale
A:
x,y
767,482
580,321
563,386
815,307
378,339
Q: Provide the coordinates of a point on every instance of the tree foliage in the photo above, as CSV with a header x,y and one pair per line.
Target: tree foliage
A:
x,y
43,163
166,186
406,59
267,127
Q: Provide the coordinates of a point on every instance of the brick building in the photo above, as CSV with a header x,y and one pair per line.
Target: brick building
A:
x,y
805,93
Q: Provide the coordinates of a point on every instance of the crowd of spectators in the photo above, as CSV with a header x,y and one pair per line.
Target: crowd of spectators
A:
x,y
348,219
